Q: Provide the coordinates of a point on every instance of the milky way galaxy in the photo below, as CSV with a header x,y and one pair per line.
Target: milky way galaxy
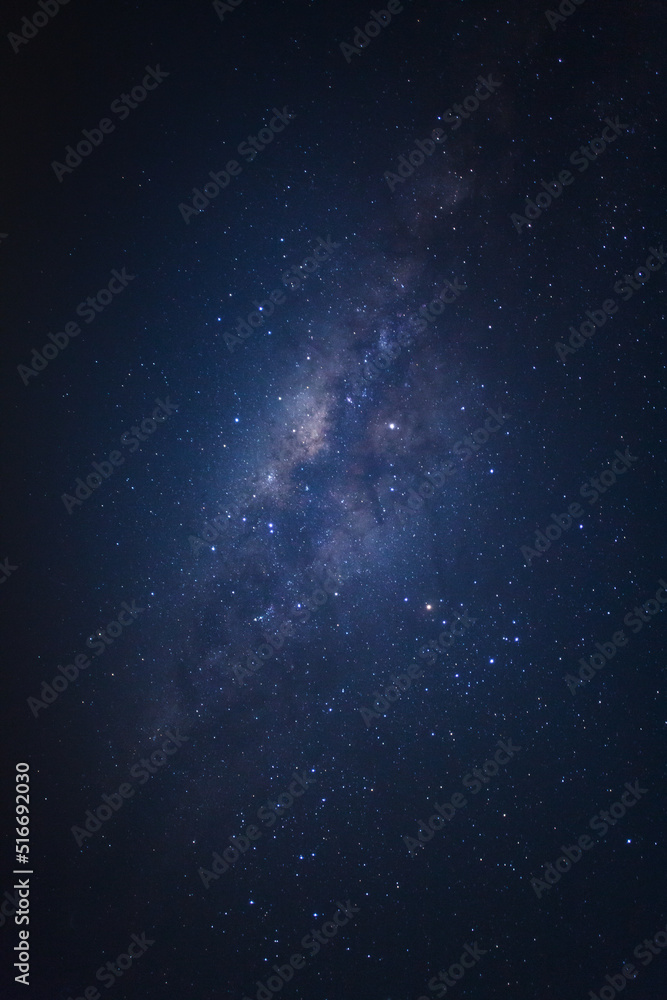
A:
x,y
374,662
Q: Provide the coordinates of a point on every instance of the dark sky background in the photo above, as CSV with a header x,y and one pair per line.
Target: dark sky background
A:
x,y
309,470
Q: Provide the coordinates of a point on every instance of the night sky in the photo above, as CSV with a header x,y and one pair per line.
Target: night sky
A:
x,y
333,537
